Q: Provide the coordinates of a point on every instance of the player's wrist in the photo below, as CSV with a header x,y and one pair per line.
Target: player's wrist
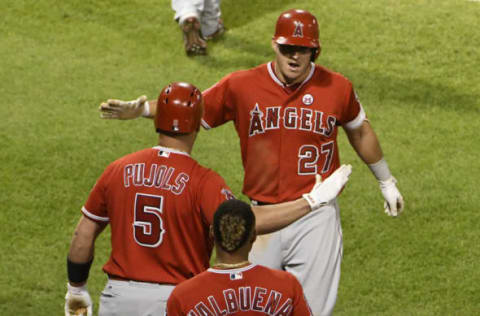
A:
x,y
384,184
78,272
380,170
146,109
77,290
314,201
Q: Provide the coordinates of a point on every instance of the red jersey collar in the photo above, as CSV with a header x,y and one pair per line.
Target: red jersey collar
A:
x,y
228,271
171,150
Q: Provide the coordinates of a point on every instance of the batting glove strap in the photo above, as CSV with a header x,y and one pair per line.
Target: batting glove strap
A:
x,y
393,204
146,109
325,192
78,301
312,202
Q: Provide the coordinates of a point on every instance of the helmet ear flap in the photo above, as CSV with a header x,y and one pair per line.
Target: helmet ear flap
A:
x,y
315,53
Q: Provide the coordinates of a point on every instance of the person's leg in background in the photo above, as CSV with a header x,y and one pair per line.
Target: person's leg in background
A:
x,y
211,21
187,14
200,20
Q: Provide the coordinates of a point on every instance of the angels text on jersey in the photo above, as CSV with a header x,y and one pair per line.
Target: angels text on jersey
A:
x,y
297,118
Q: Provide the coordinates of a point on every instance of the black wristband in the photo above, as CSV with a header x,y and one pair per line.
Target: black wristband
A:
x,y
78,272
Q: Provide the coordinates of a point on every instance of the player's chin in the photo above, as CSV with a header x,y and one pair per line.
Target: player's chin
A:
x,y
293,75
295,70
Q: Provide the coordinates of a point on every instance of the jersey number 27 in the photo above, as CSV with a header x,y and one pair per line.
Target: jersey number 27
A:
x,y
308,156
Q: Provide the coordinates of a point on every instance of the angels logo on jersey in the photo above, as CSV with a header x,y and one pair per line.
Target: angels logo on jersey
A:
x,y
307,99
298,32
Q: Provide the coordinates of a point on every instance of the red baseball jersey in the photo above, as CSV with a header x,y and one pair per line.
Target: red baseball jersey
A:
x,y
159,203
287,134
251,290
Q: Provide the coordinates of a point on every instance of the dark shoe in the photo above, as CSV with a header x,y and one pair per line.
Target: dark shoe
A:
x,y
194,43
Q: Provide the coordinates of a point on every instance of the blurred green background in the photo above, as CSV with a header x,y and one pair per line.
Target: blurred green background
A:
x,y
414,65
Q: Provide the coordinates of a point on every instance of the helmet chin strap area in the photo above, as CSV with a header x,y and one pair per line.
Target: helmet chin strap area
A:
x,y
315,54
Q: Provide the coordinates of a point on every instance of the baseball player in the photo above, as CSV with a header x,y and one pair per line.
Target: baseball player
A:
x,y
159,203
288,133
234,285
200,21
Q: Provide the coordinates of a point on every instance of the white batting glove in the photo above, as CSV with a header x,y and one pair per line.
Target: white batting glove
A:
x,y
77,301
124,110
326,191
393,199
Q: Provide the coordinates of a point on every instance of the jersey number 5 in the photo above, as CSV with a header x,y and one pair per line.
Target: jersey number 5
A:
x,y
308,157
148,224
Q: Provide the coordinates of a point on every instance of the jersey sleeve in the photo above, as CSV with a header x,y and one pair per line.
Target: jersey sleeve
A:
x,y
300,305
173,306
218,108
214,192
96,206
353,114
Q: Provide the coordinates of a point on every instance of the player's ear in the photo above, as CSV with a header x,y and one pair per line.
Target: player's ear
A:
x,y
274,46
254,236
315,53
211,232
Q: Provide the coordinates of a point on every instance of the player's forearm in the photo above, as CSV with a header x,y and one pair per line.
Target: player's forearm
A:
x,y
270,218
81,249
83,241
366,144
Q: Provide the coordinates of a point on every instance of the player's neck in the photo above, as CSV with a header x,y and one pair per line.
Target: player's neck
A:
x,y
224,266
225,260
288,82
182,143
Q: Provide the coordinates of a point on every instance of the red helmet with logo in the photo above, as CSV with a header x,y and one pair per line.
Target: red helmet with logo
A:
x,y
179,109
299,28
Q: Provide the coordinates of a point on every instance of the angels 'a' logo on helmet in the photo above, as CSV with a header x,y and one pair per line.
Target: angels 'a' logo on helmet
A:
x,y
298,32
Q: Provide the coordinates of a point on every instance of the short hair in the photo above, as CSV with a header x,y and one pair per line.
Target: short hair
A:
x,y
232,224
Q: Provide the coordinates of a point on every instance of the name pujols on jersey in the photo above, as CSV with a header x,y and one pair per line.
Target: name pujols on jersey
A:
x,y
159,176
243,299
300,118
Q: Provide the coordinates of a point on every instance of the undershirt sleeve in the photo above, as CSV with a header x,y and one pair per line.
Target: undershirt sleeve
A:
x,y
354,114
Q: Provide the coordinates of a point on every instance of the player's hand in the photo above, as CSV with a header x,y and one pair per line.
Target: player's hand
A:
x,y
326,191
123,110
393,199
77,301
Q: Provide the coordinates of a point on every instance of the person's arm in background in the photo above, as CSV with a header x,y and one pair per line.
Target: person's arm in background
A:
x,y
128,110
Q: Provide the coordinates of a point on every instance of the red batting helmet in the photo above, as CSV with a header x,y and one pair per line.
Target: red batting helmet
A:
x,y
299,28
179,109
